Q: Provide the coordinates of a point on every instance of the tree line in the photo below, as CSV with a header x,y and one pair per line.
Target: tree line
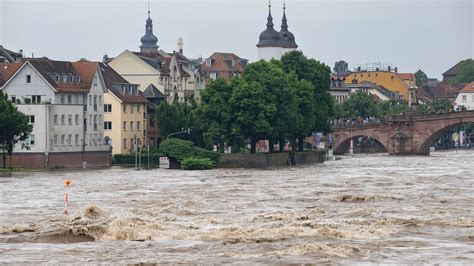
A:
x,y
280,101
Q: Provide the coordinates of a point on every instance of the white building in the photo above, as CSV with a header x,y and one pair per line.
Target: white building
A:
x,y
64,102
466,97
273,44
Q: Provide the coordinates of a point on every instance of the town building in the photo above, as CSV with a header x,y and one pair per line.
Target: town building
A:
x,y
379,93
125,113
154,97
273,44
465,97
7,56
386,76
176,76
222,65
64,102
338,89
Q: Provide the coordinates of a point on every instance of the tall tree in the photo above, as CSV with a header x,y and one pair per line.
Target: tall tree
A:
x,y
341,67
250,114
14,126
318,74
465,72
361,104
420,78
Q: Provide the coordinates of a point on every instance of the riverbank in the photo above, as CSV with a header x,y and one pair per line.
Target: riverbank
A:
x,y
268,160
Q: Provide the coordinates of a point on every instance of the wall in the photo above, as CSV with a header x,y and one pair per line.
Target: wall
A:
x,y
61,160
116,118
383,78
468,103
267,53
266,160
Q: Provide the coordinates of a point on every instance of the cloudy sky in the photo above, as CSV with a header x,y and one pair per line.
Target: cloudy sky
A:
x,y
411,34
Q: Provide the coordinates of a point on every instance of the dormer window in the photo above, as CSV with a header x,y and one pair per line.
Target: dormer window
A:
x,y
69,78
208,62
78,79
58,78
213,76
64,78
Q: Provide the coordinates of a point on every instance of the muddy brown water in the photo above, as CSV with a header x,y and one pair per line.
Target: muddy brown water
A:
x,y
368,208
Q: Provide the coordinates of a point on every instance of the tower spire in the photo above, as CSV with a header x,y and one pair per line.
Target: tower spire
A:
x,y
148,9
270,18
284,24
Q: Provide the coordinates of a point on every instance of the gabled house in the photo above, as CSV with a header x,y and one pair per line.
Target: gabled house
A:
x,y
64,105
222,65
465,97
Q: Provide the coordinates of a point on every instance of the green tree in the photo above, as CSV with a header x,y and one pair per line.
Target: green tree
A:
x,y
214,113
250,113
393,107
318,74
14,127
341,67
465,72
172,117
441,106
361,104
420,78
277,92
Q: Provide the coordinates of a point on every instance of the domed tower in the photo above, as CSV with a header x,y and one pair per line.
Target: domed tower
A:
x,y
269,45
288,42
149,40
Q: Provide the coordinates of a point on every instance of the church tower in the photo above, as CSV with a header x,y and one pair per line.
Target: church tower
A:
x,y
269,44
149,40
288,42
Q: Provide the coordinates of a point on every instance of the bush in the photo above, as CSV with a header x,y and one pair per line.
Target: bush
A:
x,y
196,163
130,159
181,149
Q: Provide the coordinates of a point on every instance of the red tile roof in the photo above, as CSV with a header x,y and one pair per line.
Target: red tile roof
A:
x,y
469,88
86,69
7,70
406,76
225,64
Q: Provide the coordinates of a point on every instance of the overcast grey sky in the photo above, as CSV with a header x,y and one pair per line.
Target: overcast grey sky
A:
x,y
431,35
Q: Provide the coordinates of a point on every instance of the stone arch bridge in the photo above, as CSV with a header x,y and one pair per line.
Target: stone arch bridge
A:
x,y
403,135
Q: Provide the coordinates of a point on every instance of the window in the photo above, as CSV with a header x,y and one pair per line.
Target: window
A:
x,y
55,140
125,108
36,98
132,109
124,143
90,139
138,125
13,99
31,119
76,99
69,99
76,119
28,79
138,108
95,81
208,62
69,139
55,119
131,125
31,140
107,108
69,78
132,144
124,125
99,139
95,102
62,139
58,78
63,119
90,99
69,119
100,99
76,139
108,125
62,99
376,75
95,122
213,76
464,98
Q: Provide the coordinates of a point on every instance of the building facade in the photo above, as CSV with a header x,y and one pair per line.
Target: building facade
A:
x,y
66,114
338,89
465,97
273,44
222,65
125,113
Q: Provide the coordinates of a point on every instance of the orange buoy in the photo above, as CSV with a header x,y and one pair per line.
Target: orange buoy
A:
x,y
66,196
67,182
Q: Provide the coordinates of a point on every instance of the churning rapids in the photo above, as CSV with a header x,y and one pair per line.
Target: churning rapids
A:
x,y
369,208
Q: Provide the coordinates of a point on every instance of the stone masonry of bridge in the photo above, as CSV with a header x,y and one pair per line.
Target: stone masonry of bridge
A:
x,y
403,135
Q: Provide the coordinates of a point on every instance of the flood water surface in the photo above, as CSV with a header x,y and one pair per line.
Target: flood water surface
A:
x,y
369,208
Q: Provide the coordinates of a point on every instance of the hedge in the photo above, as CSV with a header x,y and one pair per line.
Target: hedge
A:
x,y
196,163
130,159
182,149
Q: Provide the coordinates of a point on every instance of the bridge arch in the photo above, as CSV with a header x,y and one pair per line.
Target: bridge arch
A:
x,y
343,144
428,141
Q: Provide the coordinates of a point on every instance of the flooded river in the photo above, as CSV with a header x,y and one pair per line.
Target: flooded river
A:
x,y
369,208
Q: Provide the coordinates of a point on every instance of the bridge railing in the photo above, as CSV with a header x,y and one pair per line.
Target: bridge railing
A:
x,y
358,123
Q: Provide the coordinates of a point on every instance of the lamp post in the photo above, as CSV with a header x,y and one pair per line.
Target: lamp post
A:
x,y
183,130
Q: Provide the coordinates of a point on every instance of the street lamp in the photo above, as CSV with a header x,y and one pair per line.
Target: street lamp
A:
x,y
183,130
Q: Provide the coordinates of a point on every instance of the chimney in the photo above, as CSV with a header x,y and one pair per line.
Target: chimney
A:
x,y
358,69
396,69
21,52
389,68
180,45
105,58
